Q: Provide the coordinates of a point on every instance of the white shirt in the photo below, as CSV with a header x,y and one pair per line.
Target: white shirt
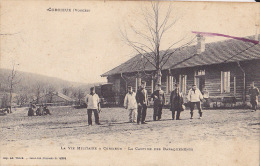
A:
x,y
92,101
130,101
194,96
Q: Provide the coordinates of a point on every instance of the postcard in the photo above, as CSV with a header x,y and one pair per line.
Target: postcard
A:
x,y
129,83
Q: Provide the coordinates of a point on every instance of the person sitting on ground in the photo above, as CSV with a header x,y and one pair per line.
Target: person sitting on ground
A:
x,y
46,111
7,109
31,111
39,111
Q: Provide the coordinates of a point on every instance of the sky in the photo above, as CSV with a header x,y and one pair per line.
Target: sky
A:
x,y
80,46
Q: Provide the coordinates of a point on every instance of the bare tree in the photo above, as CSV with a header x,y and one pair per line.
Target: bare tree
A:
x,y
38,90
4,100
12,80
66,90
149,47
21,99
50,91
78,94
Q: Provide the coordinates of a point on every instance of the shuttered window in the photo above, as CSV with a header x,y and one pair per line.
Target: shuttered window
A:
x,y
225,81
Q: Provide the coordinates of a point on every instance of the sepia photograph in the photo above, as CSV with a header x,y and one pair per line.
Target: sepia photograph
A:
x,y
138,83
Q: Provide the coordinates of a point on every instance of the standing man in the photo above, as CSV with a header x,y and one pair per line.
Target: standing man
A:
x,y
93,105
131,104
194,97
142,101
176,100
159,100
253,93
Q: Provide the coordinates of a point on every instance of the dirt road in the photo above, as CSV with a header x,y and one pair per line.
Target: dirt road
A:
x,y
222,136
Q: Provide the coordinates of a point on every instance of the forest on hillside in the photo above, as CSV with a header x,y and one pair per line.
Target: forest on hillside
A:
x,y
29,87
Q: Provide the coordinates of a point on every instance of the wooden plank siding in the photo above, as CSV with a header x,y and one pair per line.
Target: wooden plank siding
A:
x,y
212,79
252,69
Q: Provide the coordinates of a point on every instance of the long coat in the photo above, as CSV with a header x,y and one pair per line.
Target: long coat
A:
x,y
176,100
253,93
160,100
142,97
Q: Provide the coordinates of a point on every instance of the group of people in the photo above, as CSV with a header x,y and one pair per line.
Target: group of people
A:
x,y
38,111
137,103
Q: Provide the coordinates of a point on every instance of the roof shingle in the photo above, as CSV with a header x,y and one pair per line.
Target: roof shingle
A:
x,y
215,53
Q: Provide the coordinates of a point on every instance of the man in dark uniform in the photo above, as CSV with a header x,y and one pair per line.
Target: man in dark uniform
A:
x,y
159,100
142,101
176,100
253,93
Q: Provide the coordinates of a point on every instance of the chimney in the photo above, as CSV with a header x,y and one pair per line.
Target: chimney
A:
x,y
257,36
201,43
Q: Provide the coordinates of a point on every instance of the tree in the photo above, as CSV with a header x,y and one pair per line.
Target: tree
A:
x,y
38,90
78,94
21,99
50,91
12,80
66,90
4,102
149,47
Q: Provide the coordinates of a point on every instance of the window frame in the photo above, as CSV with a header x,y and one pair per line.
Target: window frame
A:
x,y
225,81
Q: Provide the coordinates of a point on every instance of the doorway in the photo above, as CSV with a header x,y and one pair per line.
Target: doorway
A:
x,y
199,79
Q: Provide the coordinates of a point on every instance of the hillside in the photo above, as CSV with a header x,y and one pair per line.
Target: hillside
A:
x,y
32,85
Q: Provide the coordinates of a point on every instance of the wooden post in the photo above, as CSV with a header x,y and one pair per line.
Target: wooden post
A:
x,y
167,84
171,83
139,81
136,84
152,85
235,86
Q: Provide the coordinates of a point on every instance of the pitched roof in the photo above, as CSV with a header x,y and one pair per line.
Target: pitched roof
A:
x,y
64,97
215,53
67,98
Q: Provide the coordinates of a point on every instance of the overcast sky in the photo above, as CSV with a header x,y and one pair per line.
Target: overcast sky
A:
x,y
80,46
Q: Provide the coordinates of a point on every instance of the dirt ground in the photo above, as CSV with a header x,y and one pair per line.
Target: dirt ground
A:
x,y
221,137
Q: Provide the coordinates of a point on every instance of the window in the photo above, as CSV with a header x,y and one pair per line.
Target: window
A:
x,y
225,81
183,83
200,73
